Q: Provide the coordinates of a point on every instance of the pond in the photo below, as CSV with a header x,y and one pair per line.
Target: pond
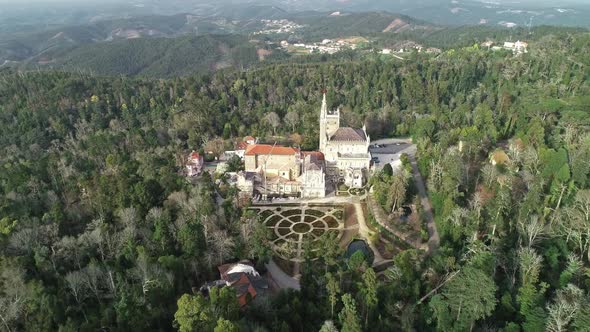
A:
x,y
362,246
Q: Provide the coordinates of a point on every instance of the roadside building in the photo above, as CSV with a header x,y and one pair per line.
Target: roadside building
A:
x,y
194,164
244,279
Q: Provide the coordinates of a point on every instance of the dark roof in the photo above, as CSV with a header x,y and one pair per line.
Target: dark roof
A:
x,y
313,160
250,176
349,134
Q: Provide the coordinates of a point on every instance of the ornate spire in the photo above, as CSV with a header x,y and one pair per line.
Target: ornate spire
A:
x,y
324,110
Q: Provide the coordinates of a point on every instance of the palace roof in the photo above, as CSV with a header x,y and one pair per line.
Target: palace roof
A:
x,y
258,149
317,155
348,134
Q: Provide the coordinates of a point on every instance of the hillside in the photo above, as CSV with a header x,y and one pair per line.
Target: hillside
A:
x,y
325,25
157,57
127,46
21,46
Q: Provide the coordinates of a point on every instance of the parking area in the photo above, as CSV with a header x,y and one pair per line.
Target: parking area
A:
x,y
389,150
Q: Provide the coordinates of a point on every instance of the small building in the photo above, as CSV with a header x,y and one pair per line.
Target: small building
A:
x,y
517,48
246,181
250,140
487,44
240,147
194,164
273,160
246,281
313,180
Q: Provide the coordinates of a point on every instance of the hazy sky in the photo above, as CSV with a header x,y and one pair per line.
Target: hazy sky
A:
x,y
81,2
411,3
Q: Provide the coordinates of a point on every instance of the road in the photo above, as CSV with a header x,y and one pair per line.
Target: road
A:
x,y
433,237
282,279
399,146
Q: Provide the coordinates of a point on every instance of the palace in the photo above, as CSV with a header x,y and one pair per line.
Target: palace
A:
x,y
346,149
275,170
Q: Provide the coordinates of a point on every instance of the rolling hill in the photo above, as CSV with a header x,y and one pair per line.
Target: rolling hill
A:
x,y
157,57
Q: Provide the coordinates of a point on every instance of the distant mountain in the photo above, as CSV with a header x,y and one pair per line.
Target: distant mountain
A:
x,y
47,46
158,57
464,12
340,24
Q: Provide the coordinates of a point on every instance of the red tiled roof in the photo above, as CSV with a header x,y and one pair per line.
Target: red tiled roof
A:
x,y
195,155
243,295
257,149
242,146
316,154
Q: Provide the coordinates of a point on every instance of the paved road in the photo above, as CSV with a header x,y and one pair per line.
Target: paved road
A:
x,y
433,237
282,279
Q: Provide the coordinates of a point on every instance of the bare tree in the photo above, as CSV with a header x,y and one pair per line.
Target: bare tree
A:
x,y
130,220
576,228
529,264
532,231
94,279
398,188
148,274
564,308
77,286
221,244
490,174
273,120
292,118
215,146
69,250
13,296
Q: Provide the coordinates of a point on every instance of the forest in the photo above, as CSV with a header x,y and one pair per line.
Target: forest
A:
x,y
100,231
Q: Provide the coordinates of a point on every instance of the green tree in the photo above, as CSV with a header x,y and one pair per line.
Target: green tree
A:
x,y
468,297
193,314
348,316
224,325
333,287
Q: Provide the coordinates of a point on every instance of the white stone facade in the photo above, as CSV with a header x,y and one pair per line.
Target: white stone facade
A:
x,y
346,150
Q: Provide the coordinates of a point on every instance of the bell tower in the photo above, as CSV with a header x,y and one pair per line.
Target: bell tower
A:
x,y
323,123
